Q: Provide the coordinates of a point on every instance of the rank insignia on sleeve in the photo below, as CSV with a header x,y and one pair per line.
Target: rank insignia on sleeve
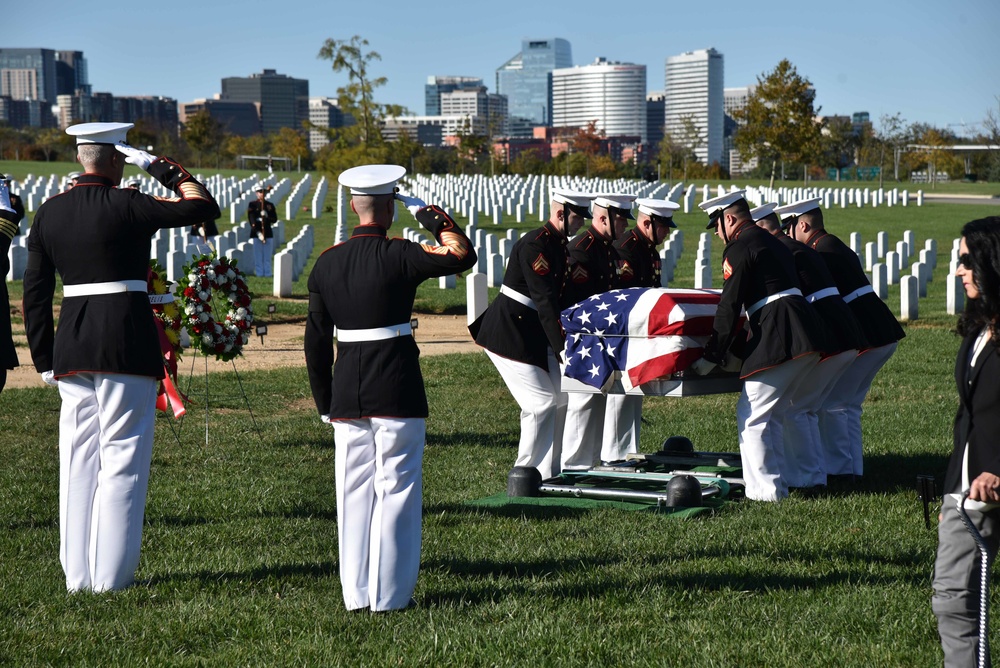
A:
x,y
625,270
540,265
727,269
579,274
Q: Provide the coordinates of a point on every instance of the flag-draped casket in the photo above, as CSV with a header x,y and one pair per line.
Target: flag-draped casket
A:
x,y
637,334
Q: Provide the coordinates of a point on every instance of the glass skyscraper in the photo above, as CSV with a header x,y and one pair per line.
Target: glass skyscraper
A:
x,y
526,80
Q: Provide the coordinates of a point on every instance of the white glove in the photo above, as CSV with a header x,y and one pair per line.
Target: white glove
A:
x,y
412,204
325,419
702,366
732,364
5,197
135,156
49,378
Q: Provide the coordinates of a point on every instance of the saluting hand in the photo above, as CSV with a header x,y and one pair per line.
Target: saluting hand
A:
x,y
135,156
412,204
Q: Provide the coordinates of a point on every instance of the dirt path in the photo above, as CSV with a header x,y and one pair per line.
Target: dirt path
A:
x,y
435,334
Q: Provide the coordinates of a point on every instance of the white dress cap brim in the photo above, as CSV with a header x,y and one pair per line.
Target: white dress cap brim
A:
x,y
372,179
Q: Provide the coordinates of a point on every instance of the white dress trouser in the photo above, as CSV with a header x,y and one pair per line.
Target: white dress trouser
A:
x,y
760,412
262,252
804,456
543,411
105,448
622,421
583,434
379,492
840,417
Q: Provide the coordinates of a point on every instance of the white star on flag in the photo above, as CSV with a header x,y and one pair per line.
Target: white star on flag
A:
x,y
594,370
622,298
611,351
584,352
602,306
612,318
584,317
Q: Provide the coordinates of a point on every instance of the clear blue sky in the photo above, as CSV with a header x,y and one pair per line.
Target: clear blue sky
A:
x,y
934,62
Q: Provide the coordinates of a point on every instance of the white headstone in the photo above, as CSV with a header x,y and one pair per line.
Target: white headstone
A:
x,y
870,256
908,298
447,282
920,271
703,274
882,243
476,296
880,280
892,264
956,295
283,266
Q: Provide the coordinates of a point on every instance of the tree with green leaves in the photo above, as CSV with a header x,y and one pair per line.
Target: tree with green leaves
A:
x,y
358,96
778,121
204,134
838,142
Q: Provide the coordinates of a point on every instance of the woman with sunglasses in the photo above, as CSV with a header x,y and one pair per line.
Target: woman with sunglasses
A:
x,y
975,461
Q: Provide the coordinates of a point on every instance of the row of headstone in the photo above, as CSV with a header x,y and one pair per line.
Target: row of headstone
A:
x,y
296,196
831,197
319,197
291,261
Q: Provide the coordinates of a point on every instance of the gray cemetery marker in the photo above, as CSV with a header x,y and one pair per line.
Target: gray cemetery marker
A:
x,y
902,252
494,270
931,247
882,243
870,255
908,298
283,262
702,274
920,198
856,243
956,295
447,282
921,271
476,296
880,282
892,264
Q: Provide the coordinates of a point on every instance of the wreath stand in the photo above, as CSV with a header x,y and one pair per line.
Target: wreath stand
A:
x,y
208,396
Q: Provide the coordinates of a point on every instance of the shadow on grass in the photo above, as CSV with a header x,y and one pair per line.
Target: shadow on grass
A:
x,y
890,474
509,511
324,569
503,439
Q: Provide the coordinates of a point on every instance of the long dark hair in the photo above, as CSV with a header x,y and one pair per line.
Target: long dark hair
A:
x,y
982,237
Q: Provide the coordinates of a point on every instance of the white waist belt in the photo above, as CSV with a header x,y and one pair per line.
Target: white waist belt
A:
x,y
822,294
857,293
758,305
518,297
373,334
107,288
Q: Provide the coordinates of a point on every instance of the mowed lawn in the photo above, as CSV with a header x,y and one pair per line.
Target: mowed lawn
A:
x,y
240,566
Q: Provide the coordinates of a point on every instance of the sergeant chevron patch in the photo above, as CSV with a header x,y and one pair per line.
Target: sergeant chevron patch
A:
x,y
541,265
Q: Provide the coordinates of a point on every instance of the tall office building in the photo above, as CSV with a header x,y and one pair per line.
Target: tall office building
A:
x,y
526,81
734,99
654,119
283,101
437,86
236,118
693,96
609,92
325,112
491,107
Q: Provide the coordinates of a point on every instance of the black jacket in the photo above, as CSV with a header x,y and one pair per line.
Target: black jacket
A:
x,y
879,325
639,264
593,267
366,282
94,233
8,229
978,419
755,266
537,270
261,218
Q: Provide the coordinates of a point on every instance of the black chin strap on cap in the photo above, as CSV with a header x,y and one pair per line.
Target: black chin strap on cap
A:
x,y
612,214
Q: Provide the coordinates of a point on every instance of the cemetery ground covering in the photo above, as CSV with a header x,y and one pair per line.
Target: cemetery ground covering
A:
x,y
239,558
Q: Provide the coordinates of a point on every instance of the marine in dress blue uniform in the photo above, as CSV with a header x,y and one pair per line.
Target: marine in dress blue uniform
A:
x,y
10,220
593,270
362,292
805,447
261,215
522,335
105,355
784,343
840,418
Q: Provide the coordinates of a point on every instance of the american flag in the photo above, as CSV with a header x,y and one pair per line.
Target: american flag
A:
x,y
637,334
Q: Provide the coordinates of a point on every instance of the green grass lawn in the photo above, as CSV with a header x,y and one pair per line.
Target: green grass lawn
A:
x,y
239,562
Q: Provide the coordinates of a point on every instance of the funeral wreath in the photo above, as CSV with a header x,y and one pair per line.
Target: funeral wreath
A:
x,y
218,313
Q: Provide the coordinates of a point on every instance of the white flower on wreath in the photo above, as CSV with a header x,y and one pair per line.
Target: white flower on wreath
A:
x,y
207,339
210,273
231,274
241,313
190,309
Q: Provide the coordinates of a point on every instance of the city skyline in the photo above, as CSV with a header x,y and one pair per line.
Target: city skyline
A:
x,y
930,64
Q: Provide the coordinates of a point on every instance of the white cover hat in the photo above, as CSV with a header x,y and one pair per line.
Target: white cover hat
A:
x,y
618,201
798,208
717,205
658,208
579,202
762,212
99,133
372,179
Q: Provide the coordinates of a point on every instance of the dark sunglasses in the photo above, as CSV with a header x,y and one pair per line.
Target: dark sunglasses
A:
x,y
965,261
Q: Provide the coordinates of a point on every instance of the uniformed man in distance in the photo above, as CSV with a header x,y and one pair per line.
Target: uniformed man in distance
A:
x,y
105,355
10,220
593,270
261,215
639,266
374,392
840,417
804,442
523,336
784,343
